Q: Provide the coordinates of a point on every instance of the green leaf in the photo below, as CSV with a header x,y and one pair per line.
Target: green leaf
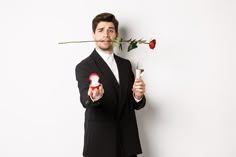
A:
x,y
129,40
132,45
120,46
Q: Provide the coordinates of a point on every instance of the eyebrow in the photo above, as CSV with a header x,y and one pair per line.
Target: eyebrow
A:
x,y
108,28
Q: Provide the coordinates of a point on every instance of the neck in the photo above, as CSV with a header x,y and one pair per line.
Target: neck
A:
x,y
110,51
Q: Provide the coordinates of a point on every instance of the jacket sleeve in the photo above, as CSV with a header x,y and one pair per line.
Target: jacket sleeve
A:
x,y
82,72
138,105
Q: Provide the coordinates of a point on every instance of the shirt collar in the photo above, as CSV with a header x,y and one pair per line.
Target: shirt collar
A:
x,y
104,55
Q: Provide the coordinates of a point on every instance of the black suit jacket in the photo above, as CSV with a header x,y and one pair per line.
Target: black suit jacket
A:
x,y
110,123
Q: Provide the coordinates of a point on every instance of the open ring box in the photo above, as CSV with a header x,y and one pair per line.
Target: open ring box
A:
x,y
94,81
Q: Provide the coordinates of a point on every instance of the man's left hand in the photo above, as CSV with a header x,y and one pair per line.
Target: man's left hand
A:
x,y
138,88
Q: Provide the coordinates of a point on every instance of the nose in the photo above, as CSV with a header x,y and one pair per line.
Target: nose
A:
x,y
106,33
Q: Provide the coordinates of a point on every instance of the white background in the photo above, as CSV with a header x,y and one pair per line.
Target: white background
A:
x,y
190,76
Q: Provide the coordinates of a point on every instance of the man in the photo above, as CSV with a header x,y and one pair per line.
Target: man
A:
x,y
110,123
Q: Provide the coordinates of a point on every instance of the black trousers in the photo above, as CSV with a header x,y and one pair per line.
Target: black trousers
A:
x,y
128,156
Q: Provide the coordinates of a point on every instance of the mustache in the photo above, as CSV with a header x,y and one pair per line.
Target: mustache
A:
x,y
104,40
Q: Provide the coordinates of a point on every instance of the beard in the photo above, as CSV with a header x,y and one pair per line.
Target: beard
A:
x,y
106,48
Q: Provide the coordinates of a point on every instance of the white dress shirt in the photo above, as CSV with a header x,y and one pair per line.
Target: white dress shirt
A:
x,y
111,62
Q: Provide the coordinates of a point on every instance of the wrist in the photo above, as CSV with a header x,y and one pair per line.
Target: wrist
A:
x,y
137,97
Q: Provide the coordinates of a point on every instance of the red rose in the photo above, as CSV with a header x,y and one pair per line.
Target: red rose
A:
x,y
152,44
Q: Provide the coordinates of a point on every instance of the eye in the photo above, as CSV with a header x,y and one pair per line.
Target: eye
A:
x,y
100,30
111,30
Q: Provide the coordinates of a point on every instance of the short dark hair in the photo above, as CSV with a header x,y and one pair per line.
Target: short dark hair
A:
x,y
107,17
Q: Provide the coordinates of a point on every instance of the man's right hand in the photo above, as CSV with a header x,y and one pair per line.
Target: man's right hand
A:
x,y
96,93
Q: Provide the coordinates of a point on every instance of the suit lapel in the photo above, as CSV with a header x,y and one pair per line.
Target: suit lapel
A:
x,y
105,70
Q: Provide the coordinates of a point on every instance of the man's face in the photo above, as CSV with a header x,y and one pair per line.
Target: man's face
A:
x,y
105,31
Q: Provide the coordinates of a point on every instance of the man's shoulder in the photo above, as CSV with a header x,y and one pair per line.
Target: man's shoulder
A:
x,y
119,58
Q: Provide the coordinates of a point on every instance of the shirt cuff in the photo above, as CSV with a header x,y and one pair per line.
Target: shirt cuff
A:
x,y
137,100
96,98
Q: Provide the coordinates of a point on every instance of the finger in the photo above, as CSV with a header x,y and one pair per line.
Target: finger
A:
x,y
139,83
139,86
89,91
140,91
95,92
138,80
101,89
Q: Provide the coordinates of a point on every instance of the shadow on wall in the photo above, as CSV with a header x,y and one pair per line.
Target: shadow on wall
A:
x,y
122,33
147,118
